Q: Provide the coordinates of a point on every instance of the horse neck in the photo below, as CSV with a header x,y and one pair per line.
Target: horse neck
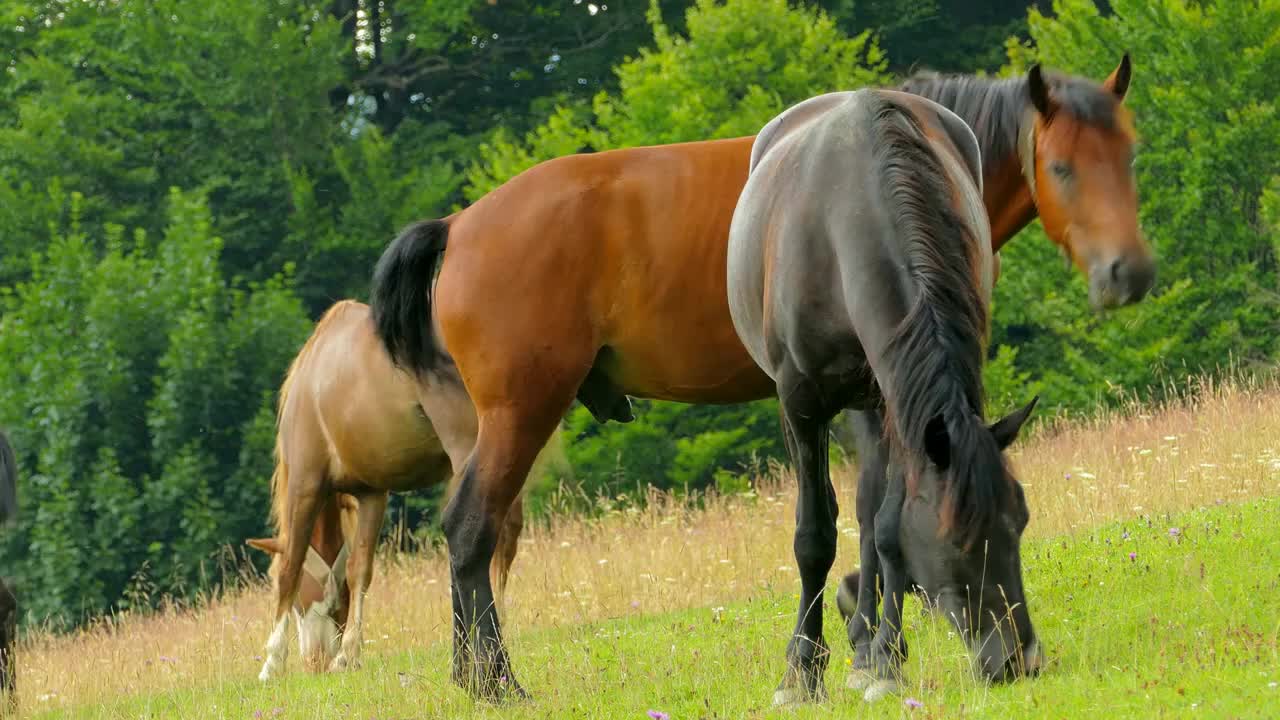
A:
x,y
1008,201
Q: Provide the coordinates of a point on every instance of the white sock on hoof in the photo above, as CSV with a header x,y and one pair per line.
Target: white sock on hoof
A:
x,y
277,650
879,689
859,680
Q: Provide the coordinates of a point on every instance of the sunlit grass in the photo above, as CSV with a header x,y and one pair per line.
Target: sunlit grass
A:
x,y
613,617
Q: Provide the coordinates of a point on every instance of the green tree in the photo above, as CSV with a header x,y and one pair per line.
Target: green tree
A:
x,y
119,101
139,390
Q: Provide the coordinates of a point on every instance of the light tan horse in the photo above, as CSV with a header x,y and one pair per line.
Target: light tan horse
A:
x,y
351,428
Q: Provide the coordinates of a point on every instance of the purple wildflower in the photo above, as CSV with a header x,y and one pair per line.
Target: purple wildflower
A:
x,y
1133,557
1124,535
635,604
276,711
913,703
1067,475
1175,533
257,714
659,715
164,658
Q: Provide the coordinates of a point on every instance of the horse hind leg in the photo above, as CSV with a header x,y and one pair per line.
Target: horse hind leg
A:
x,y
303,507
509,440
359,576
815,538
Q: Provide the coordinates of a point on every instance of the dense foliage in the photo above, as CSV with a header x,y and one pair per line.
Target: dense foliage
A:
x,y
183,186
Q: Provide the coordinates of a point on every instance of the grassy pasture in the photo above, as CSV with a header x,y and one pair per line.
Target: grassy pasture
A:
x,y
1152,566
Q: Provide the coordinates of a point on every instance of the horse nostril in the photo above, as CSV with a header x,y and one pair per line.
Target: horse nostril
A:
x,y
1117,271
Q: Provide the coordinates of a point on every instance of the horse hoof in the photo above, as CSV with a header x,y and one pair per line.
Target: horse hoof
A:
x,y
879,689
341,664
506,694
859,680
789,697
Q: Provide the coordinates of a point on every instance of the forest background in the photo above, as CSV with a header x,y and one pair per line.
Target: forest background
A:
x,y
185,187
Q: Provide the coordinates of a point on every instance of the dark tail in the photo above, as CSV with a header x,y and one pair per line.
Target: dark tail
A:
x,y
936,394
401,294
8,481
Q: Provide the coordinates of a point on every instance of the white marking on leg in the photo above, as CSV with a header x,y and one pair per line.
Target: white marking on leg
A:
x,y
879,689
787,697
859,679
277,649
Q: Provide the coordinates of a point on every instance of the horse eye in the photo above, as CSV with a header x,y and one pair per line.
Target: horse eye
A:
x,y
1060,169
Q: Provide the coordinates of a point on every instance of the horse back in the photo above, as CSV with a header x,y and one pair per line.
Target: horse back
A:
x,y
621,250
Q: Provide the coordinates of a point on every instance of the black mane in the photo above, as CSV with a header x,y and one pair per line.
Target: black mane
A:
x,y
936,352
994,109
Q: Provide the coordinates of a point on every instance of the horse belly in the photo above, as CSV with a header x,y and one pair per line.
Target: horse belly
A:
x,y
701,370
379,438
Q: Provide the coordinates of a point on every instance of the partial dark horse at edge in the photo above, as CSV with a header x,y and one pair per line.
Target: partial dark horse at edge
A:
x,y
8,603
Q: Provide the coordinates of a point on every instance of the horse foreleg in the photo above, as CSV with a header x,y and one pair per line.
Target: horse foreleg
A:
x,y
889,648
857,596
359,576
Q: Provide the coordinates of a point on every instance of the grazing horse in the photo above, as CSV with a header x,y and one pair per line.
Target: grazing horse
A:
x,y
601,276
1053,145
860,273
351,429
8,602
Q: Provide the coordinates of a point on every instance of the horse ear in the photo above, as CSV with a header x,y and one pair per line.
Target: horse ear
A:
x,y
1006,428
1039,92
270,546
937,443
1118,81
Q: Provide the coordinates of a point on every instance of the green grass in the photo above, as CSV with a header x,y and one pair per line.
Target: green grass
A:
x,y
1187,628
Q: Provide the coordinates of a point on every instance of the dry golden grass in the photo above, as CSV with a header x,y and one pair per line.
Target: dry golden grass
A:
x,y
1222,446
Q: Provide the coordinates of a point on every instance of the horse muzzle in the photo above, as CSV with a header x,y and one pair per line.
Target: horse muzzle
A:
x,y
1000,664
1120,281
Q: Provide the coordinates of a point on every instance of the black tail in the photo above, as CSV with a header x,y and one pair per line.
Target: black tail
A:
x,y
401,294
8,481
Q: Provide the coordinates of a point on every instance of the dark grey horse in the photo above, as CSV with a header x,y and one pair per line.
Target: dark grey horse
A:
x,y
859,276
8,603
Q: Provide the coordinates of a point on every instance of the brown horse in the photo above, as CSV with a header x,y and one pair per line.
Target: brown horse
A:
x,y
351,429
601,276
8,601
